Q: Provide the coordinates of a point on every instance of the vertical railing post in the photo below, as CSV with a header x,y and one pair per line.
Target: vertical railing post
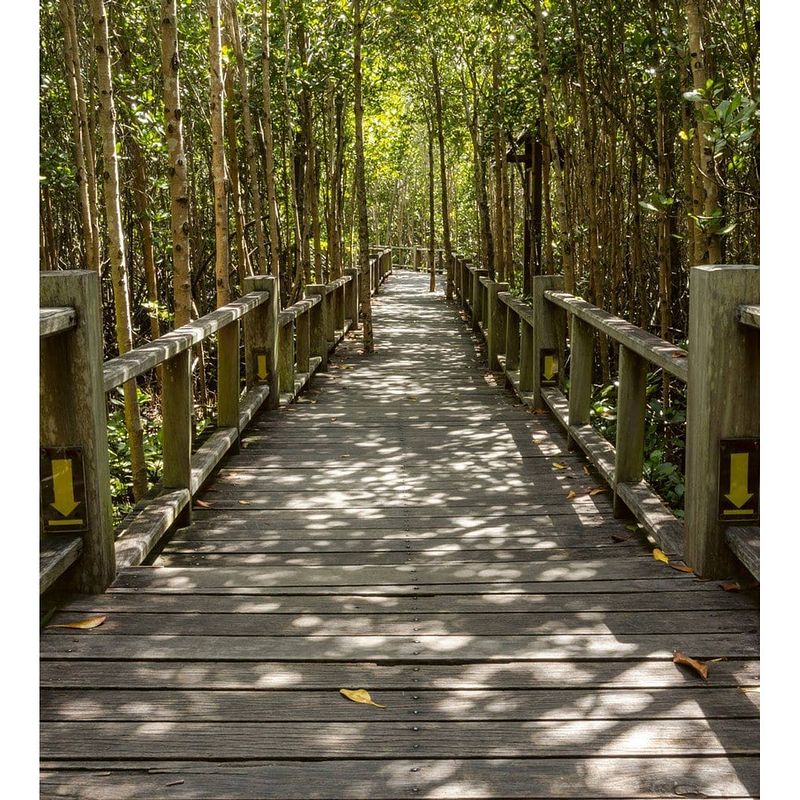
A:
x,y
352,298
228,378
318,323
260,336
513,324
581,355
526,360
303,337
477,298
449,281
547,334
72,413
722,403
176,426
329,300
495,323
631,407
286,357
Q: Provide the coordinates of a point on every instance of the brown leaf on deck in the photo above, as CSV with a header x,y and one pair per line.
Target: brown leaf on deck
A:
x,y
700,667
81,625
572,496
202,504
619,537
680,567
593,490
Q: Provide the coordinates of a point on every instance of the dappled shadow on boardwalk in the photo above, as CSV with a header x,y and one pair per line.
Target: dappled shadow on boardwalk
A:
x,y
405,529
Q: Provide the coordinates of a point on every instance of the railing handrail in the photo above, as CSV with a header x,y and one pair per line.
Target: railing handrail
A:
x,y
120,369
653,348
56,320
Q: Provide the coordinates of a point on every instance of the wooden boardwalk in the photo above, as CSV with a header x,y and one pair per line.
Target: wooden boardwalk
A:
x,y
404,528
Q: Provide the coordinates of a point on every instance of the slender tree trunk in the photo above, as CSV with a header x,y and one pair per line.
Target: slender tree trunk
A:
x,y
565,234
244,267
266,90
141,200
219,178
431,209
499,266
365,299
708,246
116,243
448,245
178,178
249,141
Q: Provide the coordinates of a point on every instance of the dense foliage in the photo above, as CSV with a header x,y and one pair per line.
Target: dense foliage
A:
x,y
642,117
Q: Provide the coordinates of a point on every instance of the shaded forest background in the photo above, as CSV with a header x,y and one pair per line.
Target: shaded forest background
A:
x,y
645,116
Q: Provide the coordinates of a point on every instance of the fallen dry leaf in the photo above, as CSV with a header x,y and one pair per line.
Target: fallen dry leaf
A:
x,y
586,469
202,504
680,567
571,496
597,490
619,537
700,667
660,555
244,502
360,696
83,624
731,586
556,465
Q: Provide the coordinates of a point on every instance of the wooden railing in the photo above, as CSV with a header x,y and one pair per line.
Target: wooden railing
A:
x,y
528,343
283,348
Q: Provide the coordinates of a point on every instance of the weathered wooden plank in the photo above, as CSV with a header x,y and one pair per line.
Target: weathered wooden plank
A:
x,y
413,605
122,368
746,545
141,530
248,740
618,623
419,648
598,569
56,554
471,779
656,350
56,320
303,677
423,705
749,315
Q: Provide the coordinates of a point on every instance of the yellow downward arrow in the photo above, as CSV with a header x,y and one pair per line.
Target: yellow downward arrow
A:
x,y
739,467
549,367
63,490
262,366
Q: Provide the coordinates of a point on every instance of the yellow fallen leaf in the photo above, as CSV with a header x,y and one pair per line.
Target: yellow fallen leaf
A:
x,y
586,469
659,555
360,696
244,502
571,495
700,667
83,624
556,465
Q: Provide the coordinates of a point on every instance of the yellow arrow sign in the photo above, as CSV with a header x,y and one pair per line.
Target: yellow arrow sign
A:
x,y
550,367
738,494
63,490
262,366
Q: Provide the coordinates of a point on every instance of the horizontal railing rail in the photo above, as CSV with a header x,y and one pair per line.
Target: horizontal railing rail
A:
x,y
528,343
282,351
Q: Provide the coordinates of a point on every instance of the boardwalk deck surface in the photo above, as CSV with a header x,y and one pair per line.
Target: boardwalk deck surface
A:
x,y
404,528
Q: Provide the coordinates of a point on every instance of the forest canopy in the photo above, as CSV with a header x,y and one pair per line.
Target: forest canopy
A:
x,y
187,144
